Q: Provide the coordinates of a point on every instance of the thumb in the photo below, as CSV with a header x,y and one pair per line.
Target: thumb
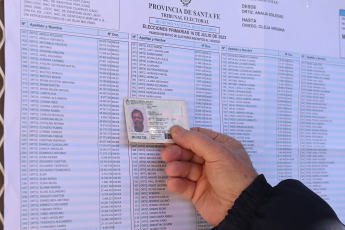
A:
x,y
198,143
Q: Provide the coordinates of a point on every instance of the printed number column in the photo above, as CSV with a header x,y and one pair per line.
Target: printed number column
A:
x,y
135,148
206,87
229,80
225,93
206,90
104,144
24,133
136,186
113,155
134,78
287,118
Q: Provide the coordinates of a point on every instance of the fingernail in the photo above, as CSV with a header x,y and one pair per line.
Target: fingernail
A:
x,y
177,129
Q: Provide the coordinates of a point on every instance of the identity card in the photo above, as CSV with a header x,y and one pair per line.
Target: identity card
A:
x,y
150,120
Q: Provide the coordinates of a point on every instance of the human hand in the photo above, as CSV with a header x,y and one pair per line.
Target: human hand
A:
x,y
210,168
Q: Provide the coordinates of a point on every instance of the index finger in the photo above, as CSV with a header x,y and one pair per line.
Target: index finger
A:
x,y
201,144
218,137
230,142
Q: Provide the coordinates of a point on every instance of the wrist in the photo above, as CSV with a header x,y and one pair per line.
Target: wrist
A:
x,y
241,215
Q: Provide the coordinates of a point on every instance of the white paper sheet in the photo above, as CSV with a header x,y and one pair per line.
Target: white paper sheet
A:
x,y
269,73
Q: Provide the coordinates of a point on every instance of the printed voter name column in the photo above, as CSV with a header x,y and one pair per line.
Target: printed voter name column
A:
x,y
321,127
113,148
45,93
260,105
242,99
160,72
63,158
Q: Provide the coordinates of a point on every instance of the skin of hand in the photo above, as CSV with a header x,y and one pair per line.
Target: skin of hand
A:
x,y
209,168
